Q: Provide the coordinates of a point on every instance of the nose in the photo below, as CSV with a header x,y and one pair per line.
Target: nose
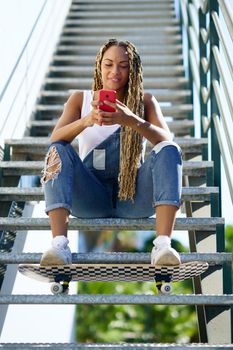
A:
x,y
115,69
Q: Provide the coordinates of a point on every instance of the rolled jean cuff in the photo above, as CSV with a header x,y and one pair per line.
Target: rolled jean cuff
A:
x,y
159,146
57,206
174,203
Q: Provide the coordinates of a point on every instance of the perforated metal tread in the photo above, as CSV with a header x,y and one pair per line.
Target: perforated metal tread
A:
x,y
120,299
37,193
18,168
213,259
124,346
207,224
116,272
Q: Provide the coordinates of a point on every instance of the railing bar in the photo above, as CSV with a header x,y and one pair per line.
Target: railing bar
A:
x,y
219,98
194,68
222,41
204,6
205,94
226,167
22,52
205,64
205,34
194,43
223,78
228,15
183,5
21,83
192,12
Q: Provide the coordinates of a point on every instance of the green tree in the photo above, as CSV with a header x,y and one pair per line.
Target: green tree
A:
x,y
135,323
229,238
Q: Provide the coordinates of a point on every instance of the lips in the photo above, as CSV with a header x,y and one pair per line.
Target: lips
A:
x,y
115,80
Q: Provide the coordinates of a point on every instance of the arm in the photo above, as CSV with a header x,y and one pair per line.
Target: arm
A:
x,y
154,128
70,124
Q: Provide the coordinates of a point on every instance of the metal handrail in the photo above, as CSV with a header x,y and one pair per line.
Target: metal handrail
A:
x,y
213,112
22,52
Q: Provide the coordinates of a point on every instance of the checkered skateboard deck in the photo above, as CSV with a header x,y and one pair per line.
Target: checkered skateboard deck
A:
x,y
113,272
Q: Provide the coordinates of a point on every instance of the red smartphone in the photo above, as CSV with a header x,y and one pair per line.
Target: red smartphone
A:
x,y
107,95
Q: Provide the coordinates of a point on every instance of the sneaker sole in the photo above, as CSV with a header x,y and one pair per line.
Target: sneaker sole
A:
x,y
168,259
51,259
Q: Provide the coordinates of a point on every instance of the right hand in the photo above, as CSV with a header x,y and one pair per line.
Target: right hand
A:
x,y
94,116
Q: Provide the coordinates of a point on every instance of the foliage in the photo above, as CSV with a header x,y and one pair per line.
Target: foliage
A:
x,y
229,238
229,244
135,323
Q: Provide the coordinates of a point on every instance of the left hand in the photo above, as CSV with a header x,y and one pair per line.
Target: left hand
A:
x,y
122,115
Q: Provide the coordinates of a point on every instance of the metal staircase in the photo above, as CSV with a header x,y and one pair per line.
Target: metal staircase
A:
x,y
153,27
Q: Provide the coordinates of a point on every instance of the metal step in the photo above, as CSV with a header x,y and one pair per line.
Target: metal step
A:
x,y
86,83
123,22
137,38
84,71
36,193
134,12
199,224
136,6
122,2
108,346
172,96
114,258
166,49
168,111
122,346
18,168
108,299
44,127
90,60
35,148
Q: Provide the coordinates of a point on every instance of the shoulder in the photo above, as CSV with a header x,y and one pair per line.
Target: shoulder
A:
x,y
75,100
149,99
152,108
150,102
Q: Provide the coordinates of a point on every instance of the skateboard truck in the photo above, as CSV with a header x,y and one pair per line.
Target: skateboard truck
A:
x,y
61,284
163,283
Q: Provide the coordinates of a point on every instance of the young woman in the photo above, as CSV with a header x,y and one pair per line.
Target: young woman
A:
x,y
109,177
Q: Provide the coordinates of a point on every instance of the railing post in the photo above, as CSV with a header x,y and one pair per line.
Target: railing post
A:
x,y
214,75
190,75
203,75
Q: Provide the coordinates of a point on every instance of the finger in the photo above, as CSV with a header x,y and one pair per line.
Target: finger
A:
x,y
111,104
120,103
96,104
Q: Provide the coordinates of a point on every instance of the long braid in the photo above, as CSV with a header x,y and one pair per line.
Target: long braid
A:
x,y
130,140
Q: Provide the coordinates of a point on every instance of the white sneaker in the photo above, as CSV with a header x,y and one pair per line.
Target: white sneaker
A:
x,y
58,254
163,254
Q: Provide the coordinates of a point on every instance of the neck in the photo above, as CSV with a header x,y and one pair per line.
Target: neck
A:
x,y
120,95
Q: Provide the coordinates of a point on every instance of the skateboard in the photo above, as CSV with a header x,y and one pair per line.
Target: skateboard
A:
x,y
61,276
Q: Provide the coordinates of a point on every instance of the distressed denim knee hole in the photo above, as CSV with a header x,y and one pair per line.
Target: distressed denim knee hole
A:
x,y
52,166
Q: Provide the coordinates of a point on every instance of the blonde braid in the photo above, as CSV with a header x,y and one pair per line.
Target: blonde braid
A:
x,y
130,140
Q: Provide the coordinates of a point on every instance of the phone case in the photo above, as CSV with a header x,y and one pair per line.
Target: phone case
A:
x,y
107,95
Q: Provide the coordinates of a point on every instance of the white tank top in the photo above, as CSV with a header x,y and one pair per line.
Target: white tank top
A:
x,y
92,136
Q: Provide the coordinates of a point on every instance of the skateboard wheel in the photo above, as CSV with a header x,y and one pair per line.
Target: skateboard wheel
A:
x,y
166,288
56,288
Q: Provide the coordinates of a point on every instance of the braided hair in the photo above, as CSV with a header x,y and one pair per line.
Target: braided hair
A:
x,y
130,140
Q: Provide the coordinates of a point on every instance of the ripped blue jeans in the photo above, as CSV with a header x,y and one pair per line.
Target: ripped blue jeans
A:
x,y
89,188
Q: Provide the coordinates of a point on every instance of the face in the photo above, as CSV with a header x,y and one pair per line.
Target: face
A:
x,y
115,68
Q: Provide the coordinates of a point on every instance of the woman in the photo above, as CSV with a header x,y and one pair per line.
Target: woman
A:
x,y
110,178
